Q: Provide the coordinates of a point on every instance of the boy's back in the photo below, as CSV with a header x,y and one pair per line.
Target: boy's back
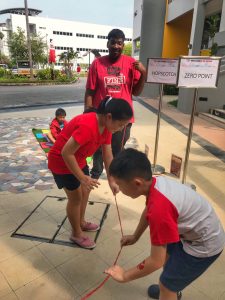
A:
x,y
175,211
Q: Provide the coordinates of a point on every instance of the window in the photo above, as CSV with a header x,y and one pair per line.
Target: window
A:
x,y
85,35
63,33
102,37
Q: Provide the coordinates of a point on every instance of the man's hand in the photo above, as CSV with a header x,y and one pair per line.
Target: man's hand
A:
x,y
128,240
140,67
117,273
89,183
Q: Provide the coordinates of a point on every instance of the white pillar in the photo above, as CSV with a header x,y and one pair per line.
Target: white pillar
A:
x,y
222,22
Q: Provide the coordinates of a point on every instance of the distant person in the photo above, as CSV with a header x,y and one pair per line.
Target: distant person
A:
x,y
116,75
186,234
81,137
78,71
57,124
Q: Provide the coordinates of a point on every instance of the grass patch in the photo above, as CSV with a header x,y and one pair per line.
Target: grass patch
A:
x,y
173,102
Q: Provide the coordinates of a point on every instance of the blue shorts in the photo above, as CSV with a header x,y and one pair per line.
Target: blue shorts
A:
x,y
69,181
182,268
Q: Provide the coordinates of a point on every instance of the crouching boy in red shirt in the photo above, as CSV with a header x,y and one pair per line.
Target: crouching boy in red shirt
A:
x,y
57,124
186,234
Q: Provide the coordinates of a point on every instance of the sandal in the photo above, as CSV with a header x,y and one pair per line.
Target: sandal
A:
x,y
90,227
83,242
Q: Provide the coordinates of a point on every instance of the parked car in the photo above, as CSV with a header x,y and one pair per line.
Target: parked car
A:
x,y
4,66
14,70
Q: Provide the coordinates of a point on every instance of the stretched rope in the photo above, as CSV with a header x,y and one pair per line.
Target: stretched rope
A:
x,y
108,276
121,228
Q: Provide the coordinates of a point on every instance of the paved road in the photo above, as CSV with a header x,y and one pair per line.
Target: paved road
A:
x,y
17,96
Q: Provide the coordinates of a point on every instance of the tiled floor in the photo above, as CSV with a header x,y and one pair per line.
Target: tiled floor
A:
x,y
42,271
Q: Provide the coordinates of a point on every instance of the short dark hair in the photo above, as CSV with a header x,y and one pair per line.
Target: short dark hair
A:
x,y
116,34
131,163
60,112
119,108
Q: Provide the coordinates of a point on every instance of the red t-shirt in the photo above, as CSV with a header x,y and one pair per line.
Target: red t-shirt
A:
x,y
162,216
84,129
56,128
114,79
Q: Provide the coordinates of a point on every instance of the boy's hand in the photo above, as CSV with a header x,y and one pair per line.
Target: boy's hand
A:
x,y
117,273
114,187
89,183
140,67
127,240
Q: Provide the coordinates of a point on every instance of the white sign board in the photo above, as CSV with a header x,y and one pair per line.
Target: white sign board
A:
x,y
162,70
198,72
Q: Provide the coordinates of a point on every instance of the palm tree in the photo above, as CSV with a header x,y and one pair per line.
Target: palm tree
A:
x,y
67,57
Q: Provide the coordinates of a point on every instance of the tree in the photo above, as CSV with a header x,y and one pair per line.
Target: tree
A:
x,y
211,27
1,38
18,46
19,51
39,49
127,50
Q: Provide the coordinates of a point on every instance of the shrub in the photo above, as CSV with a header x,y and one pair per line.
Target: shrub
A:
x,y
44,74
2,72
170,90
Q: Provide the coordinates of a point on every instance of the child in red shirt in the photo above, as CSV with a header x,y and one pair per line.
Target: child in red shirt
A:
x,y
82,136
57,124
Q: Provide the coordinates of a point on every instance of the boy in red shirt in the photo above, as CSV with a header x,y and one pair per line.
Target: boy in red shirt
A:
x,y
186,234
82,136
57,124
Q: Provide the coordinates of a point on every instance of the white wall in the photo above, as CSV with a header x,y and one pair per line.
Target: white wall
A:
x,y
46,26
179,7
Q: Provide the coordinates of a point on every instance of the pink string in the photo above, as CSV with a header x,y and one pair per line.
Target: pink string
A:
x,y
108,276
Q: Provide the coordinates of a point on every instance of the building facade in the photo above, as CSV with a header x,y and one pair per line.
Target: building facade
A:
x,y
66,35
175,27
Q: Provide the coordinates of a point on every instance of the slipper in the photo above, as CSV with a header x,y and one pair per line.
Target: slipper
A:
x,y
83,242
90,227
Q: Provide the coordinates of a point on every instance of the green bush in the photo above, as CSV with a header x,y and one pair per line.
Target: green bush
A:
x,y
44,74
170,90
2,72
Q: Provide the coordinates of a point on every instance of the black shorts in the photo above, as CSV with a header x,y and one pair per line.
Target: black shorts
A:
x,y
182,268
69,181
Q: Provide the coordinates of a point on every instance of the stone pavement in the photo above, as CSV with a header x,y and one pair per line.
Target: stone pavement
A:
x,y
37,270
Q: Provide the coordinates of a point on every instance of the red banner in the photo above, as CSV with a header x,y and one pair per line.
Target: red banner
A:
x,y
52,55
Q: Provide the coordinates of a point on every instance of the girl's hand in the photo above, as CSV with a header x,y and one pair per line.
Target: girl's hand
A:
x,y
117,273
127,240
89,183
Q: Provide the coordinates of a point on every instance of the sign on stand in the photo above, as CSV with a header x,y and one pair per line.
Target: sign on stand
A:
x,y
164,71
161,71
196,72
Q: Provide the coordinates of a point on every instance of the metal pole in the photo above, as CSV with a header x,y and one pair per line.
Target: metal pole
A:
x,y
190,135
28,40
156,168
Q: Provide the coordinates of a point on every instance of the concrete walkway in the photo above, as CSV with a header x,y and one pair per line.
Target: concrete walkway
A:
x,y
38,270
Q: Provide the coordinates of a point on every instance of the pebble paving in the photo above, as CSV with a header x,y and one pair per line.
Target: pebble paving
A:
x,y
23,164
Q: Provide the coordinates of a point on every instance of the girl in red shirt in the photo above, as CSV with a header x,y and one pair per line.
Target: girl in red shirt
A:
x,y
82,136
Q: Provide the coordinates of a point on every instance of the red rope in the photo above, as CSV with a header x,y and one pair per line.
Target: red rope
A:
x,y
108,276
